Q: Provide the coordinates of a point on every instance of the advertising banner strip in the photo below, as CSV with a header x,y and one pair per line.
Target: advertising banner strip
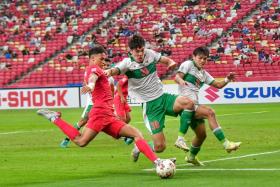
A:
x,y
233,93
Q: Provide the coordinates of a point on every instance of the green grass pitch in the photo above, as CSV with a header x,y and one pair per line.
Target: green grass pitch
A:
x,y
30,154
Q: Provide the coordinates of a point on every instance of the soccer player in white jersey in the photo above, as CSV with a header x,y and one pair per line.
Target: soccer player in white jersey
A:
x,y
84,117
145,85
190,78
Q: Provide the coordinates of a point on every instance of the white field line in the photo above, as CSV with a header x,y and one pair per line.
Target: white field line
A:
x,y
229,158
137,122
22,132
234,169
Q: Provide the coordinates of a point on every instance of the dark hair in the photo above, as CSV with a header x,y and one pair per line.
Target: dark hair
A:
x,y
136,41
201,51
96,50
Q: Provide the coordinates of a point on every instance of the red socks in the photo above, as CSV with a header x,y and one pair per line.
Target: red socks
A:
x,y
67,129
146,149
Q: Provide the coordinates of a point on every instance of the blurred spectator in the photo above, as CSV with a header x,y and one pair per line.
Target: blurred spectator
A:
x,y
236,6
228,49
215,57
276,36
236,62
5,66
220,49
8,54
261,55
245,30
47,36
240,44
166,51
25,51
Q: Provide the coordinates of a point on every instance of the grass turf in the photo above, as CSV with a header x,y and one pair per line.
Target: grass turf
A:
x,y
30,154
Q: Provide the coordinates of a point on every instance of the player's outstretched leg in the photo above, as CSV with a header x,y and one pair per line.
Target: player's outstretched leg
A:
x,y
200,135
48,114
187,108
181,144
185,121
231,146
135,153
128,140
66,141
54,117
194,161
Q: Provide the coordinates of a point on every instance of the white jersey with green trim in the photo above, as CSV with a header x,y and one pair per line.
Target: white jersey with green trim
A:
x,y
195,78
143,81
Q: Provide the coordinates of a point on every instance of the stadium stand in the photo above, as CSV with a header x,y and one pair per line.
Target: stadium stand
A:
x,y
171,27
33,31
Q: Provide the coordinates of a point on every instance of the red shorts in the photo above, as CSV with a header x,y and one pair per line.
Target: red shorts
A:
x,y
106,122
121,108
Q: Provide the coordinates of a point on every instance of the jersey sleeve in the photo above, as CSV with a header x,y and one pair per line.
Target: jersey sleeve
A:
x,y
185,67
122,66
92,69
154,55
208,78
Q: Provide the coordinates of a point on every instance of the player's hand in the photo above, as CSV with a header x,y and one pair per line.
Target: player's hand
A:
x,y
183,83
108,72
172,66
85,89
231,76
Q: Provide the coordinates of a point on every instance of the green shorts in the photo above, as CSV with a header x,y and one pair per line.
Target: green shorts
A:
x,y
86,112
154,112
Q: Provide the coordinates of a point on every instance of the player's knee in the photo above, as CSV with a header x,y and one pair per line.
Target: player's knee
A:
x,y
188,103
138,135
81,143
210,112
159,148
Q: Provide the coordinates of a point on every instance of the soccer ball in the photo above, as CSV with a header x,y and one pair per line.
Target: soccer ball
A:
x,y
165,169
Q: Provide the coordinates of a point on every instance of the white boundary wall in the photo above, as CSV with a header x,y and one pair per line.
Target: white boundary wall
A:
x,y
233,93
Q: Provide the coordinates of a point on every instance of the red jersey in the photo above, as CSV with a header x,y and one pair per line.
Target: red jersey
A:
x,y
123,83
102,94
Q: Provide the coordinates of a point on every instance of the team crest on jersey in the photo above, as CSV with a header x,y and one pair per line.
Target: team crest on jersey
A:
x,y
144,71
155,125
197,82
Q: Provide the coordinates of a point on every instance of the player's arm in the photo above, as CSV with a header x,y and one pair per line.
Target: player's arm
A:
x,y
171,64
220,84
179,78
91,84
112,72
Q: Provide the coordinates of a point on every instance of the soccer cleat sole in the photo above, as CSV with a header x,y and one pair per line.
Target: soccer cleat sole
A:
x,y
184,149
234,148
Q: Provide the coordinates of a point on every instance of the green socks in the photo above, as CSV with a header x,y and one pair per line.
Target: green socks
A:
x,y
194,151
219,134
185,121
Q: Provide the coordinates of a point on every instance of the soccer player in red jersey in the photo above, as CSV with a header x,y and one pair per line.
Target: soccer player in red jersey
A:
x,y
121,106
120,100
101,117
